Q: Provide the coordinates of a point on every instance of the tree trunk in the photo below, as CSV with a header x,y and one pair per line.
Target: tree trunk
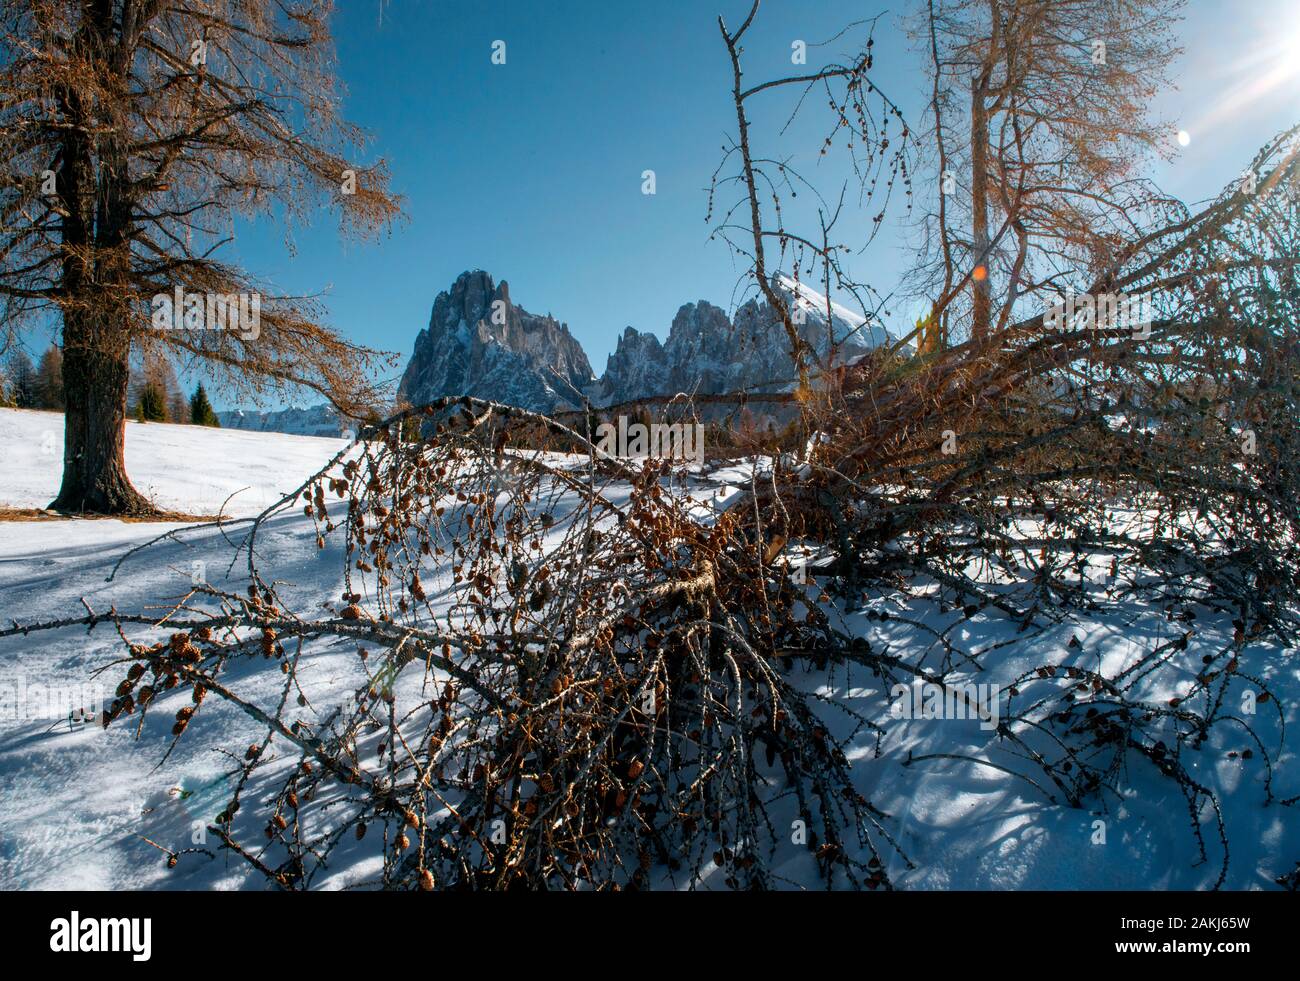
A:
x,y
982,307
96,284
94,467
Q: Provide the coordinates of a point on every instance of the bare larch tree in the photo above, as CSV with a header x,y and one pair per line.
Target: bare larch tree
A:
x,y
136,133
1040,120
751,191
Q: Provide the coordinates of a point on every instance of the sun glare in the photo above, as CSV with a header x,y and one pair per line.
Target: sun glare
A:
x,y
1269,71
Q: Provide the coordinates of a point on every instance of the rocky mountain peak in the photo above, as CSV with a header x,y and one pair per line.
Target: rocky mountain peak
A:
x,y
480,343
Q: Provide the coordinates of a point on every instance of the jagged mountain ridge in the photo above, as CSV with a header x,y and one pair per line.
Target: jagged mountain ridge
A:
x,y
534,362
480,342
709,353
316,420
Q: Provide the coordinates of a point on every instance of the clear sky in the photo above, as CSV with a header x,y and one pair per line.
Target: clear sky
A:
x,y
532,169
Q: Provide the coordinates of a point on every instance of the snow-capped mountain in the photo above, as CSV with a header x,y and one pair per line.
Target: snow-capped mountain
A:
x,y
316,420
709,353
480,343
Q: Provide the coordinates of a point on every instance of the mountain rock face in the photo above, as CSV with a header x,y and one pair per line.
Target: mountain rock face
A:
x,y
480,343
638,367
710,354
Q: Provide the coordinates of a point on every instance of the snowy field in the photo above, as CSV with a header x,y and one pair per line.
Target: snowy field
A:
x,y
83,807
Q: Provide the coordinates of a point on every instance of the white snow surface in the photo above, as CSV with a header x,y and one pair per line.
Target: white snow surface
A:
x,y
180,468
77,802
813,302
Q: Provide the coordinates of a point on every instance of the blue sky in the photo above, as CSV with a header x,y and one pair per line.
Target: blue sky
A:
x,y
532,169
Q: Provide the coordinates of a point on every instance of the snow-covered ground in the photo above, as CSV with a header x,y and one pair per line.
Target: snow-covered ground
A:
x,y
180,468
72,796
78,802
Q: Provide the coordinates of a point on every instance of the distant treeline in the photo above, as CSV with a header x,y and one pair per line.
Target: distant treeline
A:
x,y
154,394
